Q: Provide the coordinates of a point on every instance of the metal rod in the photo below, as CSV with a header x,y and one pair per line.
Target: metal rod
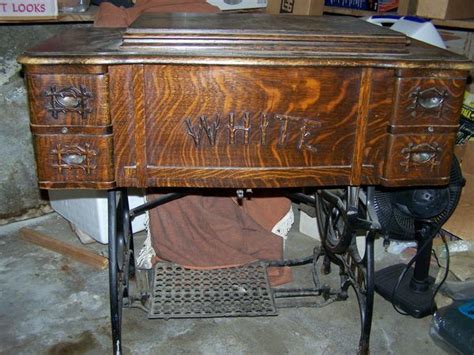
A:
x,y
302,303
371,214
302,197
155,203
291,262
296,292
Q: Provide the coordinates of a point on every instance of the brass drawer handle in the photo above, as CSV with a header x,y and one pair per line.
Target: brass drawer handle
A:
x,y
429,99
422,157
421,154
69,99
74,156
73,159
69,102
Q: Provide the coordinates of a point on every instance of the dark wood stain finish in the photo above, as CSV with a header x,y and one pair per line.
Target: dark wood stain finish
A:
x,y
402,165
242,101
379,113
124,121
87,94
273,118
413,93
78,160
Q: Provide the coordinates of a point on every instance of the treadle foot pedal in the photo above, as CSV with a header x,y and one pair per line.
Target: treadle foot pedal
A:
x,y
417,304
189,293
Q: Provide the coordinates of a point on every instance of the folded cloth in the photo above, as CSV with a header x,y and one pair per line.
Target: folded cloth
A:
x,y
203,231
215,232
110,15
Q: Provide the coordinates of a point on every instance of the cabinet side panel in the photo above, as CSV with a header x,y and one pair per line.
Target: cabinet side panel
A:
x,y
379,113
122,109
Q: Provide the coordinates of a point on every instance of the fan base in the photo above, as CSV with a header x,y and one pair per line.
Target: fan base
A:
x,y
415,303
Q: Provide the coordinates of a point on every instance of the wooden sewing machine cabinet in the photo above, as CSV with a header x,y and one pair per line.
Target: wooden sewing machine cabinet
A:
x,y
242,101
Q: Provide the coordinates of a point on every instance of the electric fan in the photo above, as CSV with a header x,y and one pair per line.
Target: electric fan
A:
x,y
414,214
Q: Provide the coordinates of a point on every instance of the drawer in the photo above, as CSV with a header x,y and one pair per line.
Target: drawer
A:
x,y
418,159
428,101
68,99
74,161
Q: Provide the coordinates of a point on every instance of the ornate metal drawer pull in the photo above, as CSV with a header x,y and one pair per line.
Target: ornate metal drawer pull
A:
x,y
69,102
74,157
421,154
70,99
429,99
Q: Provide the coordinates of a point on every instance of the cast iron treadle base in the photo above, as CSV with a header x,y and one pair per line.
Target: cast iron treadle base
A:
x,y
229,292
418,305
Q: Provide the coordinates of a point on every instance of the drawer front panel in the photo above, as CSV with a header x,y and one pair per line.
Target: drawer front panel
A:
x,y
428,101
214,117
68,99
74,159
418,159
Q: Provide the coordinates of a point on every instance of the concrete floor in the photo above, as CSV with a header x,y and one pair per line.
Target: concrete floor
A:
x,y
52,305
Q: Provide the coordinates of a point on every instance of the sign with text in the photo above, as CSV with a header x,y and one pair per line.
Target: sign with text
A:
x,y
295,7
28,9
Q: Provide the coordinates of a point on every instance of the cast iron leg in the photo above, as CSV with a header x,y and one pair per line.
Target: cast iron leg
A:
x,y
115,307
367,307
128,235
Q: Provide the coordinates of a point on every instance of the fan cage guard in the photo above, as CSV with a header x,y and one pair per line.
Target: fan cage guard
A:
x,y
401,226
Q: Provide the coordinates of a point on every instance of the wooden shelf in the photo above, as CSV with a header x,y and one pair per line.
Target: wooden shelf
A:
x,y
350,12
462,24
88,16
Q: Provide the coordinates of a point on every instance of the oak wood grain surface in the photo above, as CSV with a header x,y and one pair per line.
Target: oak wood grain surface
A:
x,y
90,90
79,160
232,101
379,112
292,116
66,69
409,111
401,166
100,46
248,177
125,88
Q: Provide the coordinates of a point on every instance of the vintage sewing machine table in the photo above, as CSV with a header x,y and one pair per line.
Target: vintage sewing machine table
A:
x,y
245,101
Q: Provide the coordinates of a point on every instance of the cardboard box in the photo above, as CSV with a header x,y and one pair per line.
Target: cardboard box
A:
x,y
445,9
226,5
27,9
296,7
461,223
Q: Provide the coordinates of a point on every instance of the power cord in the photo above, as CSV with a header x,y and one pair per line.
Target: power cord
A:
x,y
445,276
433,252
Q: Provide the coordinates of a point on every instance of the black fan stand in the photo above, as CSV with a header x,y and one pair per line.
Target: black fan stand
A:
x,y
411,289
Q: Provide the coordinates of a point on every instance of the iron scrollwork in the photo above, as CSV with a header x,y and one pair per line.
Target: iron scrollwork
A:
x,y
70,99
74,157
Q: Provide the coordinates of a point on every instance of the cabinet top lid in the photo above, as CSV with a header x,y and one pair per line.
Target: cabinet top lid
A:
x,y
261,33
243,39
